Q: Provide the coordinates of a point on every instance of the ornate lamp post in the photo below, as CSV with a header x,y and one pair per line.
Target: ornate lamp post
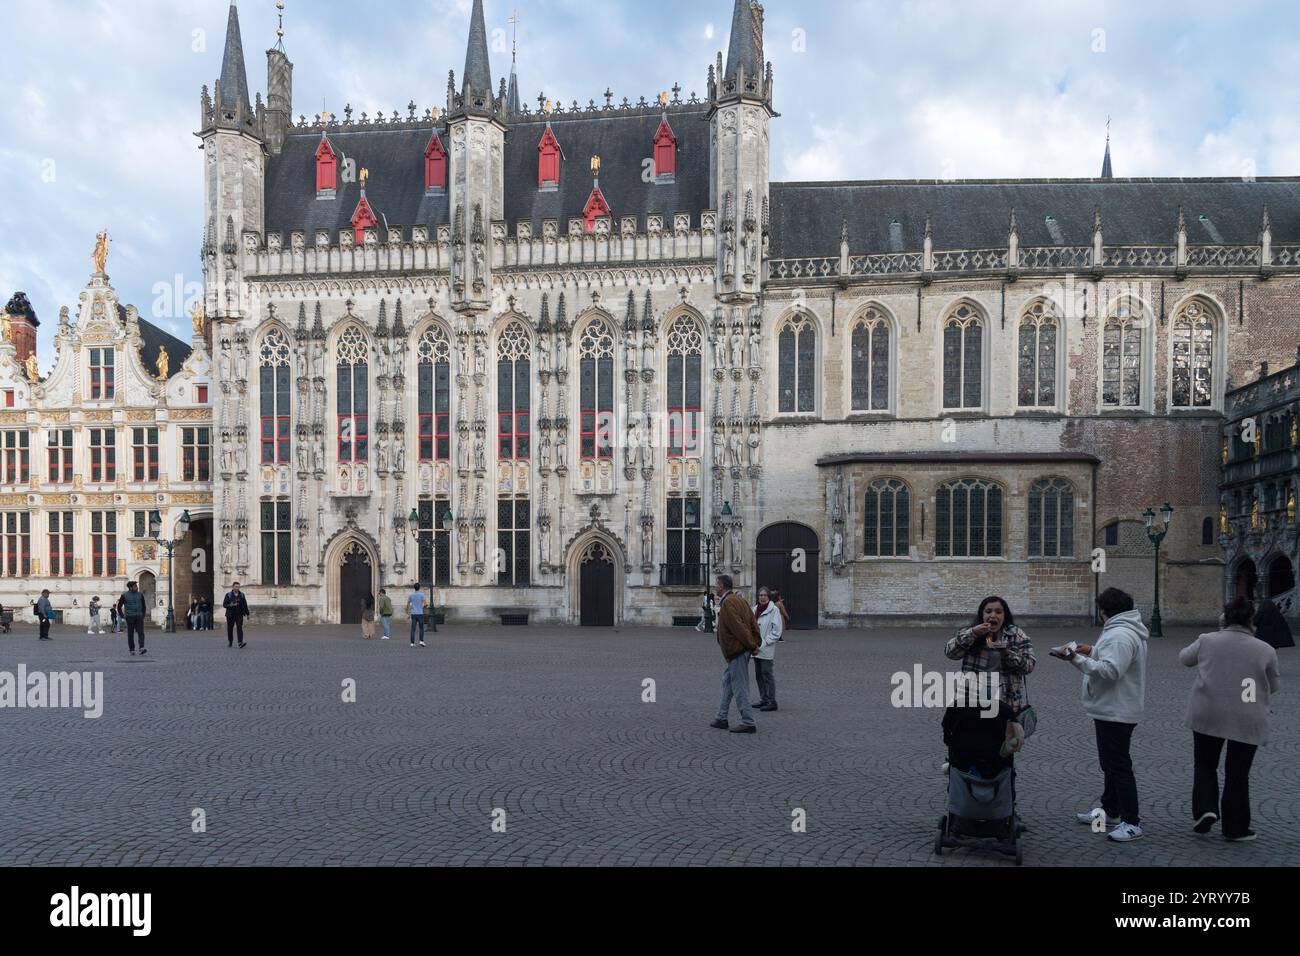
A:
x,y
422,544
1157,535
708,571
170,545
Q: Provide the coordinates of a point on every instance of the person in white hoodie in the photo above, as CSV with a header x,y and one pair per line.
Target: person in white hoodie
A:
x,y
1114,691
770,624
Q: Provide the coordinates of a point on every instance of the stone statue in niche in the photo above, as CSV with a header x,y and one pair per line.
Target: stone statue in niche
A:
x,y
754,441
737,348
480,455
462,544
647,542
479,262
381,454
736,532
318,454
399,452
302,456
462,349
728,253
480,357
223,363
717,446
648,349
733,446
318,361
479,535
241,363
545,452
755,349
227,454
543,358
241,457
302,544
225,550
837,548
458,264
633,445
300,357
242,551
544,542
462,453
562,450
561,352
630,350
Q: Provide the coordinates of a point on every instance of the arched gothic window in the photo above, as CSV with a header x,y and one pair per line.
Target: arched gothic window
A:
x,y
513,393
1051,519
888,519
1192,375
963,359
596,390
274,389
434,387
870,363
968,519
353,398
685,387
797,366
1121,358
1039,335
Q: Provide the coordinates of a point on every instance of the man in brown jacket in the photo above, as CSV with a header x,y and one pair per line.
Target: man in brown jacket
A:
x,y
738,638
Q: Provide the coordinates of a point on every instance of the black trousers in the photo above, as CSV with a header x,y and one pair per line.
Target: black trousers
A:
x,y
1120,798
134,626
1236,785
766,682
234,624
45,629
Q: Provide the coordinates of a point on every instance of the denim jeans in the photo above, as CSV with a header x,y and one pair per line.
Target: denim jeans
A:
x,y
388,624
735,683
766,682
417,621
134,626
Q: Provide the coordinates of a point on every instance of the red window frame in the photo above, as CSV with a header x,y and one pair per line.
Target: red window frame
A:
x,y
548,159
513,425
355,447
434,415
103,545
435,164
60,456
596,208
200,394
327,166
196,454
17,544
103,454
103,385
15,467
665,146
144,453
62,559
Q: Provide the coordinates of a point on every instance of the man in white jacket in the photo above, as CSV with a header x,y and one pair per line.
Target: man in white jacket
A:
x,y
1114,690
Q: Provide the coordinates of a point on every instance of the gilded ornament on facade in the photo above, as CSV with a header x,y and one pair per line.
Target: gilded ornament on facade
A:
x,y
164,362
33,372
100,256
198,318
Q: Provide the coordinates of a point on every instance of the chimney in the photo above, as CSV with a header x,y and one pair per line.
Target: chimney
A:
x,y
22,327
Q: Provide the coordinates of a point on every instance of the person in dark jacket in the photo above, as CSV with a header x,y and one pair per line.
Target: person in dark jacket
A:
x,y
1271,627
236,606
44,613
131,607
738,638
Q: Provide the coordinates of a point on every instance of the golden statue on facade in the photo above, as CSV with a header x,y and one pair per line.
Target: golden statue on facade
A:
x,y
163,362
100,256
198,318
5,328
33,371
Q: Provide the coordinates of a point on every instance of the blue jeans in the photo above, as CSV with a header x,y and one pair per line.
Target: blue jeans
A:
x,y
388,624
417,620
735,683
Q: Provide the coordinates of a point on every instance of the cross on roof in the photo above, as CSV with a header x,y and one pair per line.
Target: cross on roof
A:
x,y
541,102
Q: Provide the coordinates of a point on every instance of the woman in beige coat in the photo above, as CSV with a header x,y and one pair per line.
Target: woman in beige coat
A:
x,y
1235,674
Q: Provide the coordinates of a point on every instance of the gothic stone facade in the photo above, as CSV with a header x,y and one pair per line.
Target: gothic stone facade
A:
x,y
88,452
593,348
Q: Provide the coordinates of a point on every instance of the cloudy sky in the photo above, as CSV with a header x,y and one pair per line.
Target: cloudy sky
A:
x,y
102,99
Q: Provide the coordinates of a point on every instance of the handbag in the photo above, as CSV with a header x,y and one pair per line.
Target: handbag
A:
x,y
1028,719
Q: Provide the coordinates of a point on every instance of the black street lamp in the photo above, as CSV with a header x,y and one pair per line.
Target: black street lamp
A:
x,y
1157,535
170,544
422,544
708,571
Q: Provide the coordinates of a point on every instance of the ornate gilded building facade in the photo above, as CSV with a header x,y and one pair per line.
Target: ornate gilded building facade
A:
x,y
121,427
593,349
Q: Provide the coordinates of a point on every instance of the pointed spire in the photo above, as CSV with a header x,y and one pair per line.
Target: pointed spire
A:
x,y
399,323
647,316
476,88
513,106
544,322
629,324
232,90
1105,163
744,50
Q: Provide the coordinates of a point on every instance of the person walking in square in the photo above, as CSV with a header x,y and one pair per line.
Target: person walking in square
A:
x,y
96,625
130,606
236,606
768,617
1114,693
386,613
1236,672
44,614
738,638
368,619
415,602
1271,627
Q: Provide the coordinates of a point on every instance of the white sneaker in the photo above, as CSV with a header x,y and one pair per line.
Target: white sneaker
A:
x,y
383,638
422,643
1088,816
1124,833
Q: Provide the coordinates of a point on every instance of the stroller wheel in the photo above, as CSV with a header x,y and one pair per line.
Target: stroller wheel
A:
x,y
938,840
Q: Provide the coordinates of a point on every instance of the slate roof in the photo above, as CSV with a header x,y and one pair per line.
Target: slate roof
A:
x,y
974,214
395,158
234,77
154,338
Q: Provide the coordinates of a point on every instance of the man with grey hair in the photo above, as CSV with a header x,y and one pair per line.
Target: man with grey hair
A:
x,y
738,638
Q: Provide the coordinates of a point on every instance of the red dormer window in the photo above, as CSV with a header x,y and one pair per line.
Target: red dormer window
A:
x,y
363,218
435,164
665,150
596,208
327,168
548,160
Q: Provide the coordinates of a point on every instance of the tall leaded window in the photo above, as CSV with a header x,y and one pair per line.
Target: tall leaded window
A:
x,y
796,359
144,454
274,387
61,532
1121,359
513,393
277,544
1193,359
353,398
968,519
16,463
103,543
869,362
1051,519
434,541
596,390
434,387
682,551
103,454
513,541
685,387
1039,334
887,530
60,456
102,384
16,542
963,359
196,454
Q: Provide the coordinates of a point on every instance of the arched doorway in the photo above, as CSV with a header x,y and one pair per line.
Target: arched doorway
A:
x,y
149,588
356,583
1246,579
1281,576
788,556
597,579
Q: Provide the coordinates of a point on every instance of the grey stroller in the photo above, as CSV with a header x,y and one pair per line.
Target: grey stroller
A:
x,y
981,790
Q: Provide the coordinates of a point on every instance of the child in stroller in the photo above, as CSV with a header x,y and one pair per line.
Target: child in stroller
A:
x,y
981,793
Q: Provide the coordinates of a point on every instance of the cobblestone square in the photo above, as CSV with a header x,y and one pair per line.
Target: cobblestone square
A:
x,y
548,724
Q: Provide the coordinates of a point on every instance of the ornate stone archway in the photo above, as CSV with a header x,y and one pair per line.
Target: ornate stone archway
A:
x,y
347,547
592,547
